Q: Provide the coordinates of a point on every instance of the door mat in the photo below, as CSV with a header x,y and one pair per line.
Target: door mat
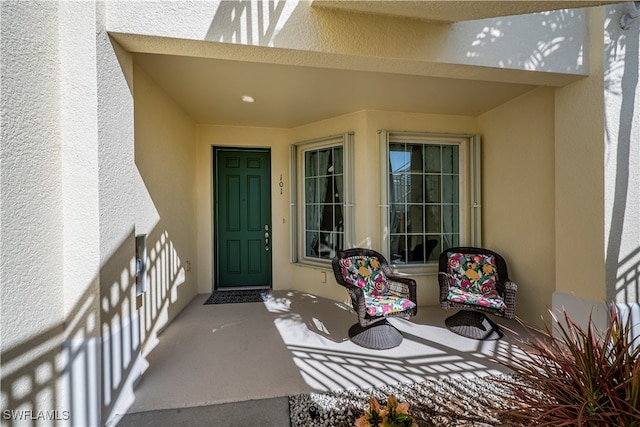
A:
x,y
231,297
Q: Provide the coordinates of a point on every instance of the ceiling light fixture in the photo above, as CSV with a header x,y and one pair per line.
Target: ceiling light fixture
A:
x,y
248,99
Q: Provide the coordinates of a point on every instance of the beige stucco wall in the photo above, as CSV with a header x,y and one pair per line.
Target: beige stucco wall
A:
x,y
32,272
365,126
296,32
518,203
579,186
165,153
277,141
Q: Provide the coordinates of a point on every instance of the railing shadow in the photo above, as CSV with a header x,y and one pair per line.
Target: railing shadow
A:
x,y
428,351
245,21
86,367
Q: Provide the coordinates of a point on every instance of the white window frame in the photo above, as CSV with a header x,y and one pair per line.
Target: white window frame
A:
x,y
470,194
297,205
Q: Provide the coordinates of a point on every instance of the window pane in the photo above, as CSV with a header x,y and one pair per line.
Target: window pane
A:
x,y
450,218
450,189
433,247
424,200
415,188
415,219
399,158
337,218
416,254
326,247
326,217
323,187
416,157
432,188
433,219
397,218
337,160
398,245
450,159
311,163
450,241
311,244
312,222
324,162
338,196
432,159
311,190
398,188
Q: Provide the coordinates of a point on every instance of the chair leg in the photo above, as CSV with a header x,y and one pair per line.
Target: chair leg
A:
x,y
473,324
379,336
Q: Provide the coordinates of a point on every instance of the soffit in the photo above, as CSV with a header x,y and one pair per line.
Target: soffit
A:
x,y
209,90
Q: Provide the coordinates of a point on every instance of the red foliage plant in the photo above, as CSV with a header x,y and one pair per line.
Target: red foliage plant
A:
x,y
570,375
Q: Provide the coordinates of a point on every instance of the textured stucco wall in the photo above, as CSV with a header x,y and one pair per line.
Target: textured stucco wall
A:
x,y
548,42
622,156
518,205
32,273
69,329
165,158
31,245
579,172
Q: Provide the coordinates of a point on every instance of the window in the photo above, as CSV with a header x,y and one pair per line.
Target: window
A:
x,y
431,195
322,227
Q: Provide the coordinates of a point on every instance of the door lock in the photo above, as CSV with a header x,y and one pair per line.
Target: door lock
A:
x,y
266,237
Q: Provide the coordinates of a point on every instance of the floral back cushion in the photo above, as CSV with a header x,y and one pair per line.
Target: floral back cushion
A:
x,y
365,272
475,273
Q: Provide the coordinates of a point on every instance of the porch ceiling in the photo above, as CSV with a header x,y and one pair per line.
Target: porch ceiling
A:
x,y
210,90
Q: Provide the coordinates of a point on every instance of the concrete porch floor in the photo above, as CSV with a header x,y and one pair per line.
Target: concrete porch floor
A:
x,y
291,344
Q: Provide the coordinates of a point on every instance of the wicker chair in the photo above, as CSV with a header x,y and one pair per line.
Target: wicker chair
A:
x,y
376,294
475,281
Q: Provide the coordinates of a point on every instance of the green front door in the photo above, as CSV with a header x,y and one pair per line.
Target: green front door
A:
x,y
242,222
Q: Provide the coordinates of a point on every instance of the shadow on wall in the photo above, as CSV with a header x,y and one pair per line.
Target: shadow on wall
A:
x,y
253,23
85,369
621,83
535,52
489,40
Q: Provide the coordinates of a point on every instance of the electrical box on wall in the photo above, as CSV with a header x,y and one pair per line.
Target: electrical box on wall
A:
x,y
141,264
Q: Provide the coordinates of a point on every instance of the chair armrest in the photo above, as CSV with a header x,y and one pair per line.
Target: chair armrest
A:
x,y
403,287
443,283
510,289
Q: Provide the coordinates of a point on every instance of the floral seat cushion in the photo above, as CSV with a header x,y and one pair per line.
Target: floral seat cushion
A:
x,y
462,297
365,273
472,280
385,305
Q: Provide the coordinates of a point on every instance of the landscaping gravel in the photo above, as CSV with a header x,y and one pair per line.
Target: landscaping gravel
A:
x,y
458,402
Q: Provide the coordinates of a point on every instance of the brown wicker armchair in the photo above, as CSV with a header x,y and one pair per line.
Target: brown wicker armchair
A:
x,y
376,294
475,281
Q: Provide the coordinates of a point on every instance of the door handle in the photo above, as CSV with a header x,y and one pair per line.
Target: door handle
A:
x,y
266,237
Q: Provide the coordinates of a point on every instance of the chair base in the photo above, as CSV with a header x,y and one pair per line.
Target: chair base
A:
x,y
473,324
379,336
